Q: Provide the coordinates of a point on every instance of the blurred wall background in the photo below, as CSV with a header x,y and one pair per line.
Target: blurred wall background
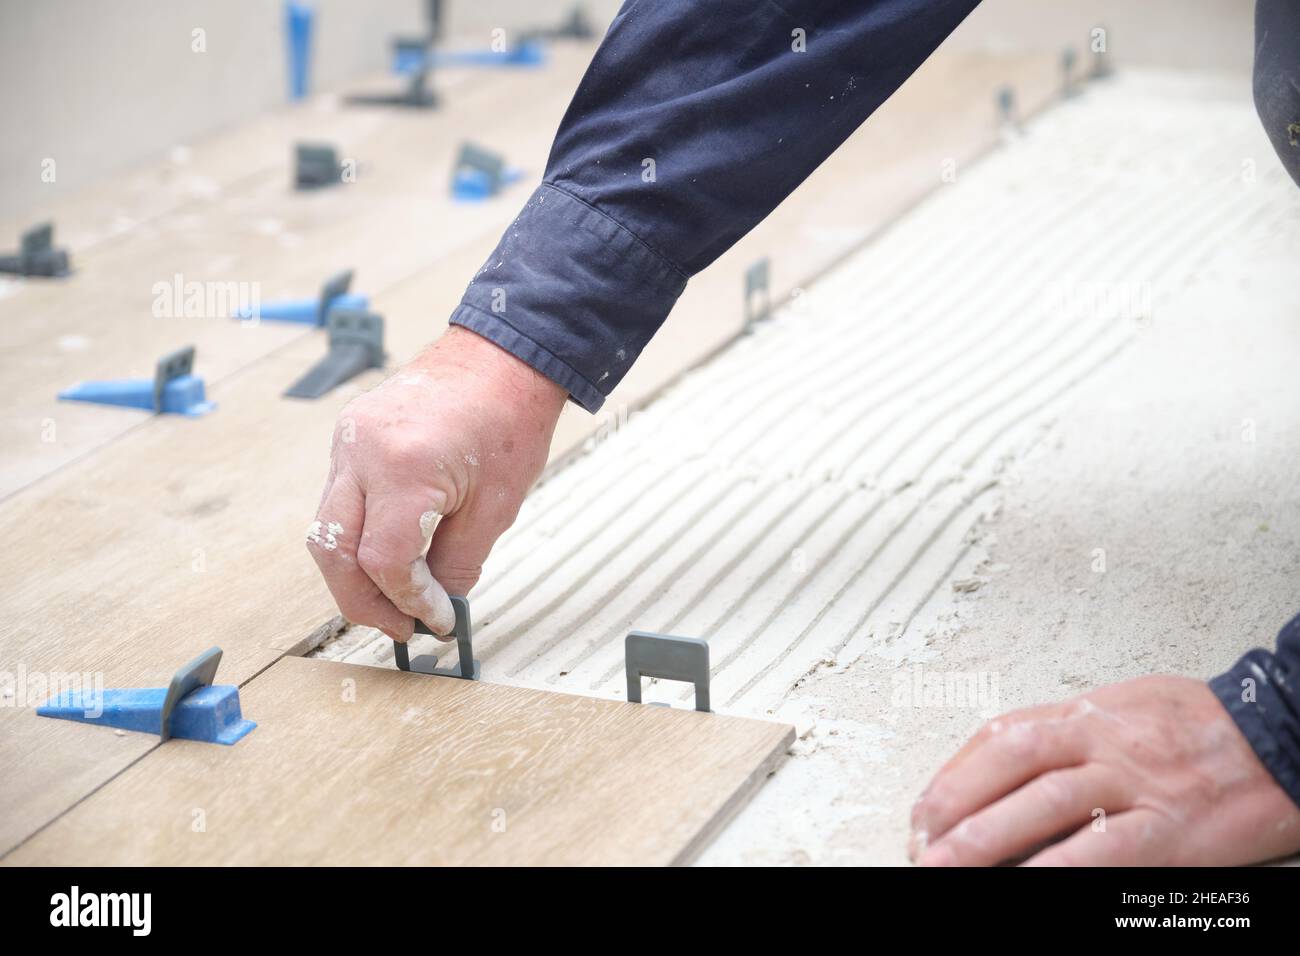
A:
x,y
100,84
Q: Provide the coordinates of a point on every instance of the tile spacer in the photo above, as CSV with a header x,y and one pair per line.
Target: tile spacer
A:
x,y
299,18
356,343
575,26
410,54
428,663
190,708
479,173
528,51
37,257
316,165
199,672
1068,60
417,93
174,390
412,58
1006,103
414,54
334,294
757,284
670,658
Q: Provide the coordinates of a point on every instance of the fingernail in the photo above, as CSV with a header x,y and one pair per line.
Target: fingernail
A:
x,y
436,611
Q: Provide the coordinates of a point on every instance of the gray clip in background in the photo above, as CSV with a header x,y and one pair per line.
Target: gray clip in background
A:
x,y
336,286
174,365
757,285
485,161
356,343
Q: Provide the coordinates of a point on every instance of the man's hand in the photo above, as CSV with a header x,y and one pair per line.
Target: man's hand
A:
x,y
426,472
1148,772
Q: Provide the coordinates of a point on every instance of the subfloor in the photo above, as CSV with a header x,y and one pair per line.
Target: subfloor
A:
x,y
159,497
1037,437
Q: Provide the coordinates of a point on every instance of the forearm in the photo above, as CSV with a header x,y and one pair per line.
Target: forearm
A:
x,y
692,123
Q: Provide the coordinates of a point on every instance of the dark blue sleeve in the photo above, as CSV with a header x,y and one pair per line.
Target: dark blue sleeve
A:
x,y
1262,693
694,120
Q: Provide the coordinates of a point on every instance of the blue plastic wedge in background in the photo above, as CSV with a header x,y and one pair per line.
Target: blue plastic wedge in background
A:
x,y
303,311
474,185
174,389
480,174
181,396
410,59
298,18
191,707
334,294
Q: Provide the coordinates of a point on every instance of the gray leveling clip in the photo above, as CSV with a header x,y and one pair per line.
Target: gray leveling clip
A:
x,y
333,288
37,257
669,658
1068,60
316,165
417,94
200,672
172,366
1008,116
428,663
757,286
356,340
575,26
487,167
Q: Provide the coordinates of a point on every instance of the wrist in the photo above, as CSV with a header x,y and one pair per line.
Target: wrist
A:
x,y
496,373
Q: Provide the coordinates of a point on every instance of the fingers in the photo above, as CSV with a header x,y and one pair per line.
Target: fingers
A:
x,y
465,539
1132,838
1057,802
398,527
1005,754
332,540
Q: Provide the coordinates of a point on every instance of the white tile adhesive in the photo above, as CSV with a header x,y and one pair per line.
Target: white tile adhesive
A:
x,y
798,499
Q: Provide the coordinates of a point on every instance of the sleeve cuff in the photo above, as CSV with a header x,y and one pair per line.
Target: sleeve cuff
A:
x,y
571,292
1255,692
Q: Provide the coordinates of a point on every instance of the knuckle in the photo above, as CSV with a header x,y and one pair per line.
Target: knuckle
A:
x,y
375,562
990,730
352,424
404,450
1056,791
1023,742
